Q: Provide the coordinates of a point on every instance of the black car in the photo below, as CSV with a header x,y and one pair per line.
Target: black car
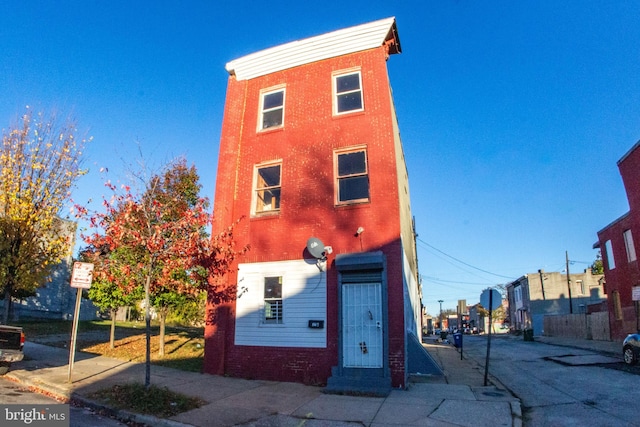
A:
x,y
631,349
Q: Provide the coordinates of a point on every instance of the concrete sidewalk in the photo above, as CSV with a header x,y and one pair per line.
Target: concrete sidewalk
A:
x,y
457,399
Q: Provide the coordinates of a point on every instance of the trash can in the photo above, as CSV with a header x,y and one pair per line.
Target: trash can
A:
x,y
528,334
457,339
443,335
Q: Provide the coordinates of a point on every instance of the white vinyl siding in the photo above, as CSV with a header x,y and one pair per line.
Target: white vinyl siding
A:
x,y
303,299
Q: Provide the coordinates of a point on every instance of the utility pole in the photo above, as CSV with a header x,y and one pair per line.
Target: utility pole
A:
x,y
542,283
440,301
569,282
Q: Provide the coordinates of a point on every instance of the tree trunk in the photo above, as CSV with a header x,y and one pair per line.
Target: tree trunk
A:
x,y
7,303
163,318
147,318
112,335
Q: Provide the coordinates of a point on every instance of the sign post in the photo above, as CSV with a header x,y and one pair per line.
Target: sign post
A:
x,y
635,296
490,299
81,278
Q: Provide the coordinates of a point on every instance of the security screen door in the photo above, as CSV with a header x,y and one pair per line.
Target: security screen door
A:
x,y
362,325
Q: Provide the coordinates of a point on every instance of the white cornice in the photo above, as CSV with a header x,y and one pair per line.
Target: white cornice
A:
x,y
329,45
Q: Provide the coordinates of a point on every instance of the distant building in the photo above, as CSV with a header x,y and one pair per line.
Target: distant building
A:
x,y
620,253
55,299
535,295
311,157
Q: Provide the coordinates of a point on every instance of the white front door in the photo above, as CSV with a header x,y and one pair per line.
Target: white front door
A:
x,y
362,325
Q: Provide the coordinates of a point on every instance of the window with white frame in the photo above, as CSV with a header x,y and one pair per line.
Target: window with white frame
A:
x,y
352,176
273,307
347,89
271,109
267,188
611,262
628,244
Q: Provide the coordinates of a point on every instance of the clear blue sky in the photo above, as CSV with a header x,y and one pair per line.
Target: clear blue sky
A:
x,y
513,114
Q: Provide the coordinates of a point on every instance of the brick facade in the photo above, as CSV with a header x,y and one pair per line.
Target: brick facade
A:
x,y
621,280
305,145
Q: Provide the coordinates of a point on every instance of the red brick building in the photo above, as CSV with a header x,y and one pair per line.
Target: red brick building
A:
x,y
311,158
619,253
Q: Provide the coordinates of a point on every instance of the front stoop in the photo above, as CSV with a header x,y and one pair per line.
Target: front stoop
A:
x,y
357,385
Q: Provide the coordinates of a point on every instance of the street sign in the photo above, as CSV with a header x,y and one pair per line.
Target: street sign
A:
x,y
490,299
81,278
82,275
635,293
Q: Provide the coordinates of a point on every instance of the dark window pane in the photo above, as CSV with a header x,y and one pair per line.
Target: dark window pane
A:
x,y
351,163
354,188
269,176
347,83
272,118
268,200
350,101
273,100
273,287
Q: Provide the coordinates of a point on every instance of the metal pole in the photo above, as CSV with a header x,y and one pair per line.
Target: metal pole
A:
x,y
486,363
542,284
74,332
569,283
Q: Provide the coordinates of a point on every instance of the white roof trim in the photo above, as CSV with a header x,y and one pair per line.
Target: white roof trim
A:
x,y
329,45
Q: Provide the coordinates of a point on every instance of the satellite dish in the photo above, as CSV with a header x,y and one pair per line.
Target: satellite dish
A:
x,y
315,247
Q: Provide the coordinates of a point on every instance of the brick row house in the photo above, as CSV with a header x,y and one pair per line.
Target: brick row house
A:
x,y
311,159
620,253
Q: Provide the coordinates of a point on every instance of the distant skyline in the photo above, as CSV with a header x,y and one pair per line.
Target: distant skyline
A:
x,y
512,114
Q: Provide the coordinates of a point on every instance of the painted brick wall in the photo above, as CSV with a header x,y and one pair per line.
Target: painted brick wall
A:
x,y
306,147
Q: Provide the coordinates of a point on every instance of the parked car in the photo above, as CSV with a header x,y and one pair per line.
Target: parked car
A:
x,y
631,349
11,346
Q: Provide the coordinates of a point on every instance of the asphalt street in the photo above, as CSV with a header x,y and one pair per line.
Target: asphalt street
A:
x,y
560,386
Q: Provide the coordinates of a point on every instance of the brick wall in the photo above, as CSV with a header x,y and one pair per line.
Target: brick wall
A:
x,y
306,145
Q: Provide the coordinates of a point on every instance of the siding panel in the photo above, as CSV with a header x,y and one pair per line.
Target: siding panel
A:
x,y
304,290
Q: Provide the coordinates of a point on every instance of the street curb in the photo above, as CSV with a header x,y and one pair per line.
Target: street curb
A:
x,y
78,400
127,416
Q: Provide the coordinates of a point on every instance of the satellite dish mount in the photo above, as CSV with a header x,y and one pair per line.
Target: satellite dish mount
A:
x,y
319,251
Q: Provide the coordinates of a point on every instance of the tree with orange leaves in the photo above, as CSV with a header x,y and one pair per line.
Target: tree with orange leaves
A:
x,y
157,240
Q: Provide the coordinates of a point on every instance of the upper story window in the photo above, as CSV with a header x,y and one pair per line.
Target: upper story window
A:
x,y
628,244
267,187
611,262
273,307
271,109
347,89
352,177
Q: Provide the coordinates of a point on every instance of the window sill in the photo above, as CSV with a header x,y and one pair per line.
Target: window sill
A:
x,y
265,215
348,114
270,130
353,205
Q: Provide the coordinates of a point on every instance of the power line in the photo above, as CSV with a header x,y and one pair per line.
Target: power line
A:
x,y
464,263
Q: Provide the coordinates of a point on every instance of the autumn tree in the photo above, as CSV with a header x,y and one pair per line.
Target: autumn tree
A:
x,y
162,229
40,162
597,267
105,291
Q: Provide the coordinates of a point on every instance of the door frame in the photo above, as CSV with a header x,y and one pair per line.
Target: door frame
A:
x,y
363,267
